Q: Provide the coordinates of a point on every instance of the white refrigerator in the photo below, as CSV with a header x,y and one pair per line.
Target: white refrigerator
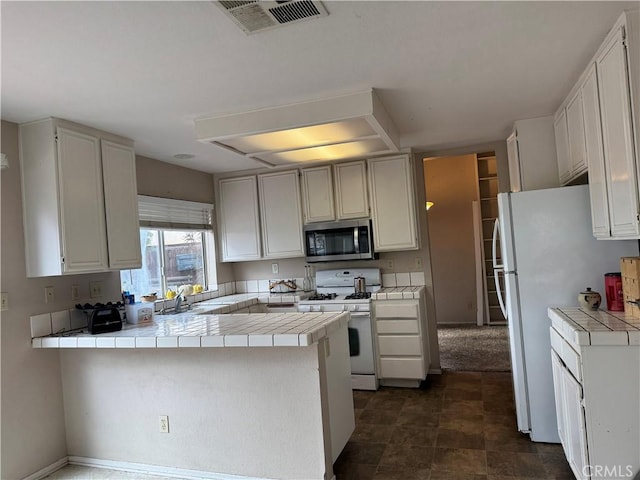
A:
x,y
547,255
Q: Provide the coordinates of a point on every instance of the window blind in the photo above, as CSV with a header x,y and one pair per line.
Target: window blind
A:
x,y
157,212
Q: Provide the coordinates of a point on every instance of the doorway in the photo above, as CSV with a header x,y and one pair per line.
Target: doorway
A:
x,y
462,191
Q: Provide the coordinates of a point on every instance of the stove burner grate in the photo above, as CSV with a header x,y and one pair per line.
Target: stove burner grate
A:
x,y
323,296
358,296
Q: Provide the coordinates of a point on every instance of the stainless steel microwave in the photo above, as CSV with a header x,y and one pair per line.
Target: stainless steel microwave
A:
x,y
336,241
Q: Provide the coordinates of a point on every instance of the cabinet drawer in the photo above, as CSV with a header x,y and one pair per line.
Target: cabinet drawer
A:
x,y
568,355
397,326
396,310
399,345
412,368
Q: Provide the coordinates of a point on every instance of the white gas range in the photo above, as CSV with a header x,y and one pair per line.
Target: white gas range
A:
x,y
335,292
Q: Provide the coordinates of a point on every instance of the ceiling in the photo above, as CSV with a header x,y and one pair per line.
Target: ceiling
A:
x,y
448,73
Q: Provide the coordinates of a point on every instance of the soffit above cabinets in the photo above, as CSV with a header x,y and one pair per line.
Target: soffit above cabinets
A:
x,y
337,128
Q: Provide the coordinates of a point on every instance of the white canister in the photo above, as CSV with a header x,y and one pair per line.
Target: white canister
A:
x,y
139,313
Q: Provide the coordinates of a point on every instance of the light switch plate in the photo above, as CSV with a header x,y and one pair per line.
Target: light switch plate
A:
x,y
95,289
49,294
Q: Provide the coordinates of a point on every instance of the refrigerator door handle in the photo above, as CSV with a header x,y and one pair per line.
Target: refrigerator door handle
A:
x,y
494,244
496,279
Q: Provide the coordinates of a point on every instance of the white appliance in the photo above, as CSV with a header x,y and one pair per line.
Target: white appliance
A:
x,y
547,256
335,292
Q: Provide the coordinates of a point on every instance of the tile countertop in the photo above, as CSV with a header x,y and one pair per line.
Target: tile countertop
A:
x,y
398,293
193,330
600,327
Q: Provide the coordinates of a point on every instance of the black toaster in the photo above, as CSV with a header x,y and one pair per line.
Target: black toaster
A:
x,y
103,320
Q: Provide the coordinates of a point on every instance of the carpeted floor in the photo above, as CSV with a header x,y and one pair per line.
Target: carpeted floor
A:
x,y
474,349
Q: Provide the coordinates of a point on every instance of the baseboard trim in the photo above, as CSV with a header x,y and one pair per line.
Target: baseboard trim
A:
x,y
435,371
43,472
158,470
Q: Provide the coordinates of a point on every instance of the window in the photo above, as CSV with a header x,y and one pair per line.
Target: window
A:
x,y
177,247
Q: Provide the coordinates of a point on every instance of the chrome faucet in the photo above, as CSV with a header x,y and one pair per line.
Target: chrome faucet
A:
x,y
178,304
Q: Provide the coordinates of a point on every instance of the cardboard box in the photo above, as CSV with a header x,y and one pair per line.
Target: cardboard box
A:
x,y
630,271
630,267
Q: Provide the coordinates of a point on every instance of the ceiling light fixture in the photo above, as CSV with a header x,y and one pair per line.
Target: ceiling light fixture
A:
x,y
183,156
348,126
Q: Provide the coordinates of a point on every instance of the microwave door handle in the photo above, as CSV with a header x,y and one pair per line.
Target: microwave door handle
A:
x,y
356,240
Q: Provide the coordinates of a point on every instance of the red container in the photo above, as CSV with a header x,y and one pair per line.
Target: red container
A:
x,y
613,289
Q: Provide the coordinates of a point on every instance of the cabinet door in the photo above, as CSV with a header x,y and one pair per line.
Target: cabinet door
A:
x,y
392,204
562,147
121,205
81,200
575,130
514,163
239,219
615,108
317,191
595,158
575,434
281,215
558,388
351,190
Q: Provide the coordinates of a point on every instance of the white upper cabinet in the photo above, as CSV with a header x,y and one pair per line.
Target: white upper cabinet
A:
x,y
238,218
317,190
617,134
70,209
598,128
281,214
531,152
562,146
575,130
392,204
351,190
515,180
345,198
81,202
595,157
120,187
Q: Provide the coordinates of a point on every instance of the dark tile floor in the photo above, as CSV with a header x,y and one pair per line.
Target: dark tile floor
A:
x,y
460,426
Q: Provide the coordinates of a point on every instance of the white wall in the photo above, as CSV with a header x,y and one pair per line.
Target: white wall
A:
x,y
33,433
244,411
452,184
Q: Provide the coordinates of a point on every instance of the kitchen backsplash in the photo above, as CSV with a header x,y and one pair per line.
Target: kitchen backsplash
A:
x,y
64,320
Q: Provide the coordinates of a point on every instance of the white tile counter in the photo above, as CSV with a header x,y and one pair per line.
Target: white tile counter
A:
x,y
600,327
191,330
398,293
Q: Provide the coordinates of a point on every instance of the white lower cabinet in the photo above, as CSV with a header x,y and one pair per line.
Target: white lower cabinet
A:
x,y
401,340
393,212
79,197
596,379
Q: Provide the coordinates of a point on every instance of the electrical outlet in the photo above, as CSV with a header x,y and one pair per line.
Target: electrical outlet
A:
x,y
49,294
4,301
274,268
418,262
75,292
390,264
95,289
164,423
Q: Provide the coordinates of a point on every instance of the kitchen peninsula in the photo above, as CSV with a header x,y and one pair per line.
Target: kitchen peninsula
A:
x,y
270,398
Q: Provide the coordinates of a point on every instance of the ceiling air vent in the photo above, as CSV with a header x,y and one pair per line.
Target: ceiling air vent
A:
x,y
259,15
